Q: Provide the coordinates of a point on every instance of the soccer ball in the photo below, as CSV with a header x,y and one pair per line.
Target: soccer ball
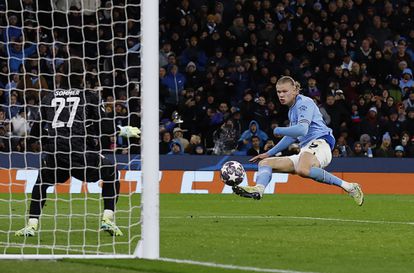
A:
x,y
232,173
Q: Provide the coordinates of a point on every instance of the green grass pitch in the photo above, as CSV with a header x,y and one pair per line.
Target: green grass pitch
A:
x,y
296,233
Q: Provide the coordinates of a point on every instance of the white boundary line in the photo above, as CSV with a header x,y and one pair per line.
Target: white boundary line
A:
x,y
229,266
287,217
117,256
246,217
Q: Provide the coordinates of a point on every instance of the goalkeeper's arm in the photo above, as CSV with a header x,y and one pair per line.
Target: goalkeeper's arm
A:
x,y
99,114
129,131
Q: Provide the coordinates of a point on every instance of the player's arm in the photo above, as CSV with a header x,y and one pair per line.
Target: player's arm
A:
x,y
297,130
305,112
280,146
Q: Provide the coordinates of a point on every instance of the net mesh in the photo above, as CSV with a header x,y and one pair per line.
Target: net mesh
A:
x,y
38,40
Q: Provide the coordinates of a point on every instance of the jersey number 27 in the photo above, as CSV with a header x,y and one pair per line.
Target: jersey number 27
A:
x,y
60,104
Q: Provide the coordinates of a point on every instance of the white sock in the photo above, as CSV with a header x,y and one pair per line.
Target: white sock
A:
x,y
347,186
109,214
260,187
33,222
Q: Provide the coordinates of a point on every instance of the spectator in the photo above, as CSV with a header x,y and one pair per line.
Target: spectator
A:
x,y
393,126
222,87
408,124
337,113
13,31
12,84
256,149
165,143
394,89
19,124
14,107
261,115
199,150
406,80
336,152
248,106
18,55
225,139
365,53
367,145
33,84
268,145
343,147
194,54
358,151
174,82
399,152
402,55
4,139
244,142
312,90
195,142
194,79
165,52
370,124
178,136
176,148
385,150
379,67
409,102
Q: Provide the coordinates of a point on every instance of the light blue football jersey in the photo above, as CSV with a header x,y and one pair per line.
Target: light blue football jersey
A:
x,y
305,110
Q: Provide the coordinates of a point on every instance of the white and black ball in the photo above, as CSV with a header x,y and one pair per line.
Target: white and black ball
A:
x,y
232,173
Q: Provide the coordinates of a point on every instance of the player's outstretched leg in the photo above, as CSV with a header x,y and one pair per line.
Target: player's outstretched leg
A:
x,y
306,169
264,175
110,191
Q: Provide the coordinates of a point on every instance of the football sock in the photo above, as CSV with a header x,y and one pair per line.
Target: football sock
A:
x,y
33,222
38,198
108,214
110,191
320,175
264,175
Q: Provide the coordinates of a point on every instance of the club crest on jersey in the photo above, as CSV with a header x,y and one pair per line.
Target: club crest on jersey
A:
x,y
303,108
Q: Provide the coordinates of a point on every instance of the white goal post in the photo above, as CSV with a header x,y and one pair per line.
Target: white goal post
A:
x,y
150,238
139,218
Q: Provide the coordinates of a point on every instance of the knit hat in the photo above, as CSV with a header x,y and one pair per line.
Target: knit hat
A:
x,y
386,136
399,148
373,109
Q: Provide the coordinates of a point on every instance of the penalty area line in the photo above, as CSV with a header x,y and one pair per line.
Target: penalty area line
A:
x,y
232,267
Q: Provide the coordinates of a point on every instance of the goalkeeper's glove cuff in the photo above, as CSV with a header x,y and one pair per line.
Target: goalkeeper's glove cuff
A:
x,y
129,131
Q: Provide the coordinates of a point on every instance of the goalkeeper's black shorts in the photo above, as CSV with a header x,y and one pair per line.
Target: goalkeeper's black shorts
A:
x,y
88,167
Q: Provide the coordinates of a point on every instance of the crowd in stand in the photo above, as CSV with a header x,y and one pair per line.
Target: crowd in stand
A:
x,y
36,42
219,62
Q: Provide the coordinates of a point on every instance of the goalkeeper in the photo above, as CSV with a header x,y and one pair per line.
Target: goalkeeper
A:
x,y
68,128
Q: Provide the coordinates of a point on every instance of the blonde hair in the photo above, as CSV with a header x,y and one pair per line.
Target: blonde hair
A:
x,y
288,79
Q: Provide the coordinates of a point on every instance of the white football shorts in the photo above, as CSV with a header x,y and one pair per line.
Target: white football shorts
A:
x,y
318,147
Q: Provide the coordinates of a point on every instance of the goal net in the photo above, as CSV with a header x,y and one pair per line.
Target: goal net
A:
x,y
38,41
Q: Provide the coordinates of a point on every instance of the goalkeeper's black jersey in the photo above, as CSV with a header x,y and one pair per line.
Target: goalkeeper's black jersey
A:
x,y
68,121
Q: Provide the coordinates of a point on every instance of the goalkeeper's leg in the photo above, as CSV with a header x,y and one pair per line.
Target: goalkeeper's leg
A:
x,y
110,192
48,176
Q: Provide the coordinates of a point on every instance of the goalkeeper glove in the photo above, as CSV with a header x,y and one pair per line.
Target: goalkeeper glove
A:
x,y
129,131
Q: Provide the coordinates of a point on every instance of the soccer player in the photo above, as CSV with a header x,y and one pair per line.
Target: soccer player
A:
x,y
316,141
68,128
